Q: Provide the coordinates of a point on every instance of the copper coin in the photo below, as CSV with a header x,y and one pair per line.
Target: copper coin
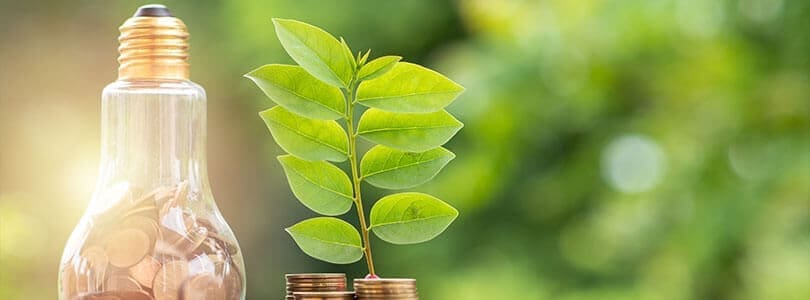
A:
x,y
203,264
68,279
144,224
192,241
169,279
97,261
133,295
97,296
337,295
121,283
203,287
231,248
164,193
172,225
181,193
232,281
144,272
114,295
126,247
148,209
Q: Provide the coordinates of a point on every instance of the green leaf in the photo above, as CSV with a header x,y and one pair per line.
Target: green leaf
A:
x,y
316,50
319,185
362,58
410,218
378,67
409,88
347,51
328,239
306,138
408,132
393,169
297,91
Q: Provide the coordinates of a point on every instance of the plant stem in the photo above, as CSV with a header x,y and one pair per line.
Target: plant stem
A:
x,y
350,95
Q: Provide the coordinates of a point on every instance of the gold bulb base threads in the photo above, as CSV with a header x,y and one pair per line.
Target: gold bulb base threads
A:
x,y
153,47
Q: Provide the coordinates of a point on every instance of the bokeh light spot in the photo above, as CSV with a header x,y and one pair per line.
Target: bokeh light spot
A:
x,y
700,18
633,163
760,10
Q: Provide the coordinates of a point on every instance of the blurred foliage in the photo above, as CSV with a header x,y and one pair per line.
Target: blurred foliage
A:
x,y
613,149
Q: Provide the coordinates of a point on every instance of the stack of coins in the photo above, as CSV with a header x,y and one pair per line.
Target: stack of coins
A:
x,y
153,247
386,289
323,295
315,282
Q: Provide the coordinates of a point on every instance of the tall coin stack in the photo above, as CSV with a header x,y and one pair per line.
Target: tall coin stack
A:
x,y
151,248
400,289
313,285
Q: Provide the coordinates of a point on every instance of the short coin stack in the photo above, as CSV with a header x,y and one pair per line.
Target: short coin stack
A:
x,y
401,289
153,247
317,286
324,296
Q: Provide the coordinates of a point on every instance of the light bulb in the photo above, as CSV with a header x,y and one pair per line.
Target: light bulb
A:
x,y
152,230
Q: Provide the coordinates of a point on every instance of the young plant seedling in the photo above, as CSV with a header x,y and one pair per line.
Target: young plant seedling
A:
x,y
405,119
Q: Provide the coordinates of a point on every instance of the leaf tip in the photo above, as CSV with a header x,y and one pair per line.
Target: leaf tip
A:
x,y
279,20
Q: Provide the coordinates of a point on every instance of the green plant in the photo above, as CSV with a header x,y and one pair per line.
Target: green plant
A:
x,y
405,119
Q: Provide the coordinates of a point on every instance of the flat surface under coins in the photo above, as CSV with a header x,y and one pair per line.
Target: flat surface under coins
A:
x,y
153,247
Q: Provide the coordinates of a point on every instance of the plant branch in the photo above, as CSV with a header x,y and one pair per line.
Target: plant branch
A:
x,y
350,96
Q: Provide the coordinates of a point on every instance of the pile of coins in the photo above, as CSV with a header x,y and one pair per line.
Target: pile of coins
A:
x,y
153,247
325,286
317,286
401,289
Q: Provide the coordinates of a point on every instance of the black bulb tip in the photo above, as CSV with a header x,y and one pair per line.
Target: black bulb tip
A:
x,y
153,10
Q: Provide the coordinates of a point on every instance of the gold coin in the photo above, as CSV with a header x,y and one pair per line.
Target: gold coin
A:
x,y
126,247
144,272
169,279
121,283
203,287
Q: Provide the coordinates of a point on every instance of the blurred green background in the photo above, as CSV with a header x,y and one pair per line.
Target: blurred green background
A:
x,y
637,149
